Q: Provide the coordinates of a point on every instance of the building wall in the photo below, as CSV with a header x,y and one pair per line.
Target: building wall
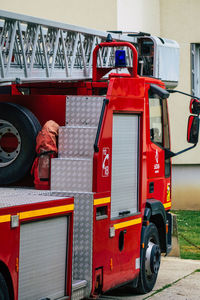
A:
x,y
180,21
131,15
186,187
101,15
143,15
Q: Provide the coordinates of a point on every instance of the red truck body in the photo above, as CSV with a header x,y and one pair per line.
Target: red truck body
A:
x,y
37,208
119,242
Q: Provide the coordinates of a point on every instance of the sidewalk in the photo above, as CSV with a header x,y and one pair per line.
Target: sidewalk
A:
x,y
177,279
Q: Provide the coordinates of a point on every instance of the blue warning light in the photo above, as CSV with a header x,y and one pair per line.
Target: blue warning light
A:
x,y
120,59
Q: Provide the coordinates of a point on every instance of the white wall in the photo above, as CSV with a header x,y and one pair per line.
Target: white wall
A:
x,y
134,15
139,15
186,187
180,21
94,14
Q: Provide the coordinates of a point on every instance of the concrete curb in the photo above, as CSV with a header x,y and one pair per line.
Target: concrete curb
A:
x,y
175,243
176,280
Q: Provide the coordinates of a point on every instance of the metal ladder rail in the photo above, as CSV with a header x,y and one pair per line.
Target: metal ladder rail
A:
x,y
35,49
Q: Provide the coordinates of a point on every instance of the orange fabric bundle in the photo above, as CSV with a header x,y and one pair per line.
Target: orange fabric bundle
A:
x,y
46,148
46,139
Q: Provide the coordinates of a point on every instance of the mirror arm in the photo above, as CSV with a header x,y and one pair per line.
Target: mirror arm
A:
x,y
186,94
169,154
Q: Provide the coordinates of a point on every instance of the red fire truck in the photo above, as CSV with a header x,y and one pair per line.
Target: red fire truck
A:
x,y
105,220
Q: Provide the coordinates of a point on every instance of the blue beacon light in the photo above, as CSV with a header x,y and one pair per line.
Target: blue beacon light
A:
x,y
120,59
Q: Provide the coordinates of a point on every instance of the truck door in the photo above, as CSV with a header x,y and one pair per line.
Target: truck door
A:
x,y
124,165
125,215
118,214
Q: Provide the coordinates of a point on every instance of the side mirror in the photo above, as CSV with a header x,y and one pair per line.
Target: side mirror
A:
x,y
192,136
195,106
193,129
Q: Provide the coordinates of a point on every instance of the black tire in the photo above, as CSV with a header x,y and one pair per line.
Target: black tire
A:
x,y
24,127
4,293
150,260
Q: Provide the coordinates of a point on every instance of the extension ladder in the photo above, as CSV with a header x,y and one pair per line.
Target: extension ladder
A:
x,y
34,49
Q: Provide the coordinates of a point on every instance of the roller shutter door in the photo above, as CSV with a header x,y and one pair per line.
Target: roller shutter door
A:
x,y
42,260
124,193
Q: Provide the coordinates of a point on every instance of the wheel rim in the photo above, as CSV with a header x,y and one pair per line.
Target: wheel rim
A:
x,y
10,143
152,259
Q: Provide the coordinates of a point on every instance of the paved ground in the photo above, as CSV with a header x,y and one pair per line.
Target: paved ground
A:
x,y
178,279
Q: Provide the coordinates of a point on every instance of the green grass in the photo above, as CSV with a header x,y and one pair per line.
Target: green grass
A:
x,y
189,233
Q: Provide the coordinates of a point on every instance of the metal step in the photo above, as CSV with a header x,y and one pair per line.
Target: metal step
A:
x,y
78,284
71,174
83,110
78,289
72,170
77,142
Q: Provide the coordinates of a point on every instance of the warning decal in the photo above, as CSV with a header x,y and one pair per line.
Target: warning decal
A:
x,y
105,162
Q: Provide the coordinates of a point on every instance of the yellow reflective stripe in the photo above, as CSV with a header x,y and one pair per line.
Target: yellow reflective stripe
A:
x,y
39,212
5,218
102,201
168,193
45,211
166,205
128,223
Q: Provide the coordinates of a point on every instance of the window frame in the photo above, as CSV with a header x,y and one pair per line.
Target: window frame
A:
x,y
195,69
165,130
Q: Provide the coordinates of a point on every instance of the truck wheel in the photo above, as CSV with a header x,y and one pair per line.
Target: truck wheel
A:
x,y
4,294
18,132
150,260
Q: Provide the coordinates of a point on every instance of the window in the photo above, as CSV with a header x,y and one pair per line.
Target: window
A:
x,y
156,130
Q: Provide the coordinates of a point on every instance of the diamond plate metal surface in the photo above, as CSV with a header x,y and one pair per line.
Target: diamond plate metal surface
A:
x,y
83,111
79,294
76,142
83,238
69,174
17,196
